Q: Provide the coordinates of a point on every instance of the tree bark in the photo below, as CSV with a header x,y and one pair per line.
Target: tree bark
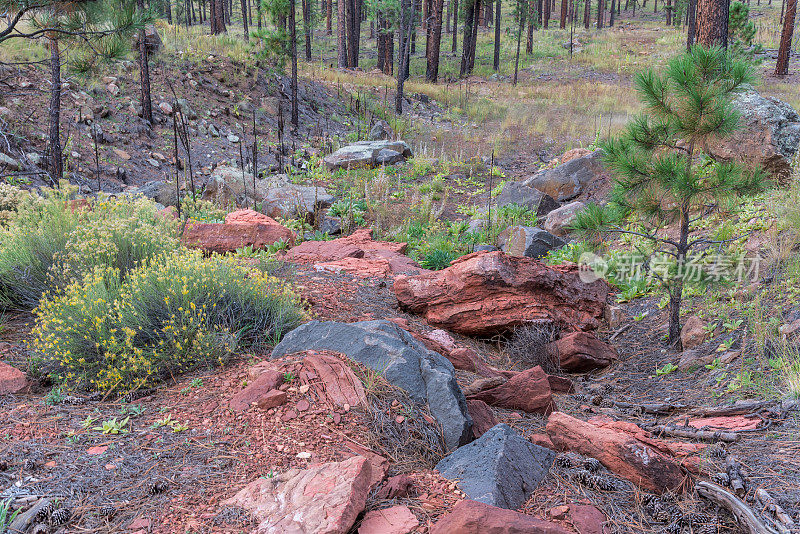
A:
x,y
306,4
691,22
782,66
455,26
600,14
474,40
244,20
587,13
433,42
519,39
712,23
168,5
56,162
613,12
546,14
341,41
563,20
293,45
144,73
498,10
466,45
406,29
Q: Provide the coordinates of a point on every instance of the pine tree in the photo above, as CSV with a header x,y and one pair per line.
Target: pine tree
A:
x,y
662,176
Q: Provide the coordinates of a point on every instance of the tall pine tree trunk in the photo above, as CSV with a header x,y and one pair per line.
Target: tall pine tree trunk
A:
x,y
56,163
474,41
144,73
329,17
434,40
341,40
691,22
563,21
613,12
293,45
455,26
244,20
307,27
587,13
782,66
522,17
600,14
712,23
405,31
546,14
498,9
466,45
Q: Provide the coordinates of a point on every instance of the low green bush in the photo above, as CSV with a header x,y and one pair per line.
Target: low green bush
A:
x,y
176,313
52,242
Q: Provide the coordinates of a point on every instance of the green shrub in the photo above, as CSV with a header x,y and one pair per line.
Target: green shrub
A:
x,y
177,313
51,244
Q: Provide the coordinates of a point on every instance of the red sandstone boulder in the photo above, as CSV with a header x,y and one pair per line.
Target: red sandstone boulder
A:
x,y
482,417
393,520
487,293
356,254
472,517
528,391
12,380
322,499
582,351
242,228
619,451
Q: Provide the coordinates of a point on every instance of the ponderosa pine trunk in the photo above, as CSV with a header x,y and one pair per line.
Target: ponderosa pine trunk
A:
x,y
498,10
405,31
474,40
587,13
691,22
466,45
306,5
600,14
56,163
712,23
341,40
455,26
244,20
563,15
782,66
293,48
433,41
546,14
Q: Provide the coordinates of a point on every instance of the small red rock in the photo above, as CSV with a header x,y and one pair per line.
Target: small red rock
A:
x,y
12,380
393,520
272,399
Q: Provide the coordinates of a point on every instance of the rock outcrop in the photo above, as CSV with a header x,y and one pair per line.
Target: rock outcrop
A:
x,y
528,241
487,293
365,154
528,391
620,452
768,135
558,220
501,468
522,195
568,180
322,499
388,349
241,228
582,351
472,517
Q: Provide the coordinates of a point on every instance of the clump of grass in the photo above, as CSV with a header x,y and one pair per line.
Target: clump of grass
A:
x,y
174,314
528,345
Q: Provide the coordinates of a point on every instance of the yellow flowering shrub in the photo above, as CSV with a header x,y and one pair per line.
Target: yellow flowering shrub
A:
x,y
52,243
176,313
10,199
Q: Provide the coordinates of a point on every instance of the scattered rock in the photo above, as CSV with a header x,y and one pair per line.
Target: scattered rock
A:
x,y
472,517
574,153
587,519
229,236
528,391
364,154
393,520
357,254
322,499
558,219
693,357
566,181
381,131
487,293
693,333
331,225
387,156
332,380
482,417
12,380
614,316
397,487
9,163
582,351
272,399
185,108
523,195
768,135
528,241
403,361
620,452
501,468
267,381
166,108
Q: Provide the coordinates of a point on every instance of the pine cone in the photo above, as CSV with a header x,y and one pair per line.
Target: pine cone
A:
x,y
71,399
60,516
606,403
39,528
44,512
28,465
597,400
158,486
716,451
602,483
564,461
592,464
583,476
581,397
608,388
672,528
3,465
721,479
649,499
709,528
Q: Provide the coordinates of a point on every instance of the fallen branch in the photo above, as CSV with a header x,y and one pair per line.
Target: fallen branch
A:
x,y
744,516
738,408
785,521
655,409
23,521
693,433
737,482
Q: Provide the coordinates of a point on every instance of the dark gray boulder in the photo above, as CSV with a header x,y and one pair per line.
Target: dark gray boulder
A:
x,y
405,362
568,180
528,241
501,468
524,195
387,156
